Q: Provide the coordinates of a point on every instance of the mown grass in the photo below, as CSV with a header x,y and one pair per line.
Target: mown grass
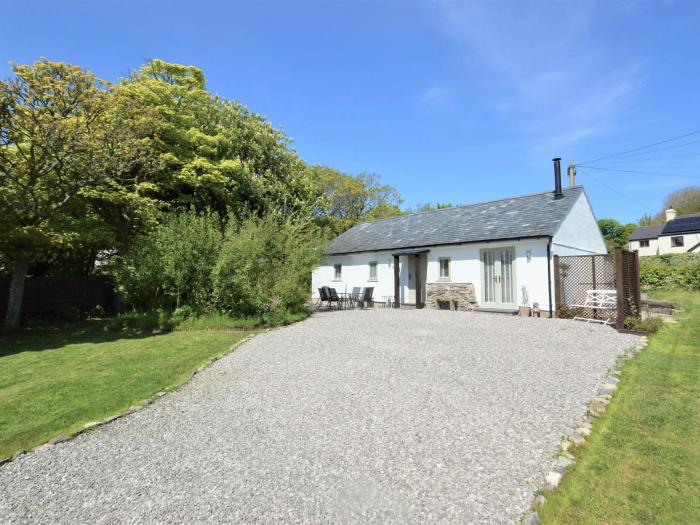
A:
x,y
642,462
53,380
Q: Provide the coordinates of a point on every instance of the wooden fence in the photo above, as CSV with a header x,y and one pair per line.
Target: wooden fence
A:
x,y
46,295
575,275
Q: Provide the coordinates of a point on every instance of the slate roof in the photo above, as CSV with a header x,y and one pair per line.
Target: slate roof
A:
x,y
685,224
646,232
537,215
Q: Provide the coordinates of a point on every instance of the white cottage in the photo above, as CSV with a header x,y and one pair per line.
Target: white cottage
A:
x,y
676,235
494,255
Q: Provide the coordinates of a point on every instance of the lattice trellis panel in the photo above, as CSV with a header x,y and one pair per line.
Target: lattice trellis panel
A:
x,y
577,275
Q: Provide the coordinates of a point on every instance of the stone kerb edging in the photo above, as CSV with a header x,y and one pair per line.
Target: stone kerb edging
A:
x,y
565,459
133,408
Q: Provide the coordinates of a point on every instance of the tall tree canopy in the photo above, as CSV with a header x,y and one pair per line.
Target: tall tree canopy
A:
x,y
52,119
615,234
87,165
176,145
348,200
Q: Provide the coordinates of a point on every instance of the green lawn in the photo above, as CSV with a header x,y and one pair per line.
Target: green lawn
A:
x,y
54,380
642,462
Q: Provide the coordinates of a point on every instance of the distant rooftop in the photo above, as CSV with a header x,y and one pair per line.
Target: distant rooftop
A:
x,y
537,215
684,224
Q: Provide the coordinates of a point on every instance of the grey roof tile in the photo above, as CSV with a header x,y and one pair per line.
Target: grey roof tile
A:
x,y
537,215
647,232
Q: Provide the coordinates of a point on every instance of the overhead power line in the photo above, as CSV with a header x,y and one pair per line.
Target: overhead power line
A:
x,y
643,147
623,195
637,172
668,157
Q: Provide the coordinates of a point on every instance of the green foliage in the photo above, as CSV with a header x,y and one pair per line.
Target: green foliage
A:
x,y
685,201
615,234
265,265
52,119
221,321
346,200
157,319
428,206
646,220
650,324
680,270
171,265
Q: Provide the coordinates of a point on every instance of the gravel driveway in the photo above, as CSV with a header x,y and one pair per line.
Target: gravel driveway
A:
x,y
384,415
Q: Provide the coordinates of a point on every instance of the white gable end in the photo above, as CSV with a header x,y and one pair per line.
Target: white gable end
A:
x,y
578,233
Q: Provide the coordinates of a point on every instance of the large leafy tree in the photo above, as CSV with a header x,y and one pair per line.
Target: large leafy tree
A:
x,y
615,233
52,124
177,146
348,200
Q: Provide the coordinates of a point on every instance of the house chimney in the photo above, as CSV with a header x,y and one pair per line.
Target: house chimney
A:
x,y
572,175
670,214
557,178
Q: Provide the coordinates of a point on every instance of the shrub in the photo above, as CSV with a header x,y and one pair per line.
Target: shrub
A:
x,y
171,265
670,271
159,319
265,266
650,324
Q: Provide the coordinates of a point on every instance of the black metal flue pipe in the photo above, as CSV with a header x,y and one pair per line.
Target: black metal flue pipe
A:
x,y
557,178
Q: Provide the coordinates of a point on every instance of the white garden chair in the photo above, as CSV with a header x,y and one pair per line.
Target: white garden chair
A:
x,y
605,300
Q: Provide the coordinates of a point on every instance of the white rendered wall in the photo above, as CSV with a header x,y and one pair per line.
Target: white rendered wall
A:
x,y
579,234
689,240
652,249
465,267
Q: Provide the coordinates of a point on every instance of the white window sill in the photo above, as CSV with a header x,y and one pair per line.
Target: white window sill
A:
x,y
372,280
336,280
444,280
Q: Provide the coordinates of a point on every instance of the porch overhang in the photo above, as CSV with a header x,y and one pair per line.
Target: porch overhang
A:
x,y
410,251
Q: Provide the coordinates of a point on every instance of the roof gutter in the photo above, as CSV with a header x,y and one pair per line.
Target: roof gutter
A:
x,y
525,238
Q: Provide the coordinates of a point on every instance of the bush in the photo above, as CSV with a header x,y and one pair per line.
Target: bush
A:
x,y
650,324
158,319
265,266
171,265
670,271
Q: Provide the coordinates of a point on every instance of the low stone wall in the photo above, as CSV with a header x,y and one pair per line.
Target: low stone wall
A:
x,y
450,296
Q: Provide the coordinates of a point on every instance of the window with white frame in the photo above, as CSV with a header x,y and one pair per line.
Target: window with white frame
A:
x,y
337,272
677,241
373,271
444,268
644,243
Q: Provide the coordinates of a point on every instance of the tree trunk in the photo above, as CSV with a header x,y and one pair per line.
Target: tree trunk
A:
x,y
14,301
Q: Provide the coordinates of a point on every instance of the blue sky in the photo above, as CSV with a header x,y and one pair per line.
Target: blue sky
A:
x,y
447,101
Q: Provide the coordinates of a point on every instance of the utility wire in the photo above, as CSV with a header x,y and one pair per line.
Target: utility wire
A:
x,y
656,158
642,147
623,195
637,172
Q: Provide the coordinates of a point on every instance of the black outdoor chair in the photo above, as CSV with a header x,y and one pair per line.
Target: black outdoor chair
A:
x,y
323,295
355,296
366,299
333,297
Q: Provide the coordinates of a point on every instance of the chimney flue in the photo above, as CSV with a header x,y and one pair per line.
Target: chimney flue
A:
x,y
557,178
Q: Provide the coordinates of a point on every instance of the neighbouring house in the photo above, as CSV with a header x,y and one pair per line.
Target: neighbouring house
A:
x,y
494,255
676,235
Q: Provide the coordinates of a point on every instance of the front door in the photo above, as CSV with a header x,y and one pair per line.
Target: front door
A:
x,y
498,278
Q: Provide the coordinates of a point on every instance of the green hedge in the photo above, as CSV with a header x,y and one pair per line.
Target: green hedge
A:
x,y
680,270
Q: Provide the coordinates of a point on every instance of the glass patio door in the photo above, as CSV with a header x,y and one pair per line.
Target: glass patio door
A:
x,y
498,278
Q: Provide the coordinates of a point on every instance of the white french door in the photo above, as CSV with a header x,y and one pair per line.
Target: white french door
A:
x,y
498,278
